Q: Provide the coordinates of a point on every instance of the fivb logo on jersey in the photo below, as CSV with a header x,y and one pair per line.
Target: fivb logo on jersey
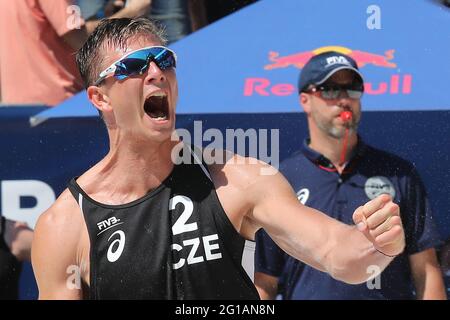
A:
x,y
251,144
107,224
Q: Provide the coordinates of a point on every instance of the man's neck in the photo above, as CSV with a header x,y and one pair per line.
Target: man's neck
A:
x,y
332,148
128,172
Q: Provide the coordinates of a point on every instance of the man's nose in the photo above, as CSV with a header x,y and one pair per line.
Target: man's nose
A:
x,y
154,73
343,98
343,94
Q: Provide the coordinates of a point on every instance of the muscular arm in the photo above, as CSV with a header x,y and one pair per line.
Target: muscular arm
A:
x,y
320,241
54,251
427,276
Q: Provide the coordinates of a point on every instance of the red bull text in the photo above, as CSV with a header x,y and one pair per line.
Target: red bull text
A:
x,y
395,84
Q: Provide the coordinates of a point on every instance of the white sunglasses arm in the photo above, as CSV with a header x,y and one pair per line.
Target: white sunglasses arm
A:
x,y
105,73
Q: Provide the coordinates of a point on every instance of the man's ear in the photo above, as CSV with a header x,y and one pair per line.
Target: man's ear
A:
x,y
305,102
99,99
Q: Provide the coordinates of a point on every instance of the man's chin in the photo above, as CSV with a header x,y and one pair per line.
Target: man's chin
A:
x,y
339,133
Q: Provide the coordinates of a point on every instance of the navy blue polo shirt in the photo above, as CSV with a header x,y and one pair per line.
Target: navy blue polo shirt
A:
x,y
317,183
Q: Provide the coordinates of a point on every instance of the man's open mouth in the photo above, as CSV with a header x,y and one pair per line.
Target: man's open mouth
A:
x,y
157,106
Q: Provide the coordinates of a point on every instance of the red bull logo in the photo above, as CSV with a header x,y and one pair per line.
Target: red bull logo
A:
x,y
296,60
395,84
362,58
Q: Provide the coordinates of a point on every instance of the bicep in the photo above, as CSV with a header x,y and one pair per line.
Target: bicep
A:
x,y
54,265
302,232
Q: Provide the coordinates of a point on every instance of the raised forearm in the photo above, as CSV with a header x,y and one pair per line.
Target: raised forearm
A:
x,y
362,252
354,258
345,252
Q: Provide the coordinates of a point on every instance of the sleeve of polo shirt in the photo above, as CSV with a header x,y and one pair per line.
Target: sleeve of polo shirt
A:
x,y
63,15
420,226
269,258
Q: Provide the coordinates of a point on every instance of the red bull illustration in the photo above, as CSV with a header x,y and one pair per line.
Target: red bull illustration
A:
x,y
362,58
297,60
396,83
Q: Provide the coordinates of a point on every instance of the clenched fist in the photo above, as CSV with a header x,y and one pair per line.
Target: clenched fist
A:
x,y
379,220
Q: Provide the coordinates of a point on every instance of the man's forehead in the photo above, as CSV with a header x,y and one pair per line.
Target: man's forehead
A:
x,y
114,51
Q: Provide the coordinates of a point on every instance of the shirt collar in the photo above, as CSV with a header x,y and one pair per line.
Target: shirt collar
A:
x,y
321,160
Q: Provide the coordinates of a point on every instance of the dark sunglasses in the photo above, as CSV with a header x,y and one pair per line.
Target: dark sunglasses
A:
x,y
137,62
333,91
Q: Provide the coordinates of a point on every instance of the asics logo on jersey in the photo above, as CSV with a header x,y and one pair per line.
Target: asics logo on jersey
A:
x,y
116,247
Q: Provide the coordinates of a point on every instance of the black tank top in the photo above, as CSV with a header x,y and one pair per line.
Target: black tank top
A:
x,y
176,242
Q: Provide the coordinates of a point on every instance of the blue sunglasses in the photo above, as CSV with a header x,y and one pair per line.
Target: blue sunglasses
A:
x,y
137,62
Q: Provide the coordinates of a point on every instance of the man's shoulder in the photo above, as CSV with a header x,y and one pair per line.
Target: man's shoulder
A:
x,y
386,158
63,213
58,239
295,159
240,168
